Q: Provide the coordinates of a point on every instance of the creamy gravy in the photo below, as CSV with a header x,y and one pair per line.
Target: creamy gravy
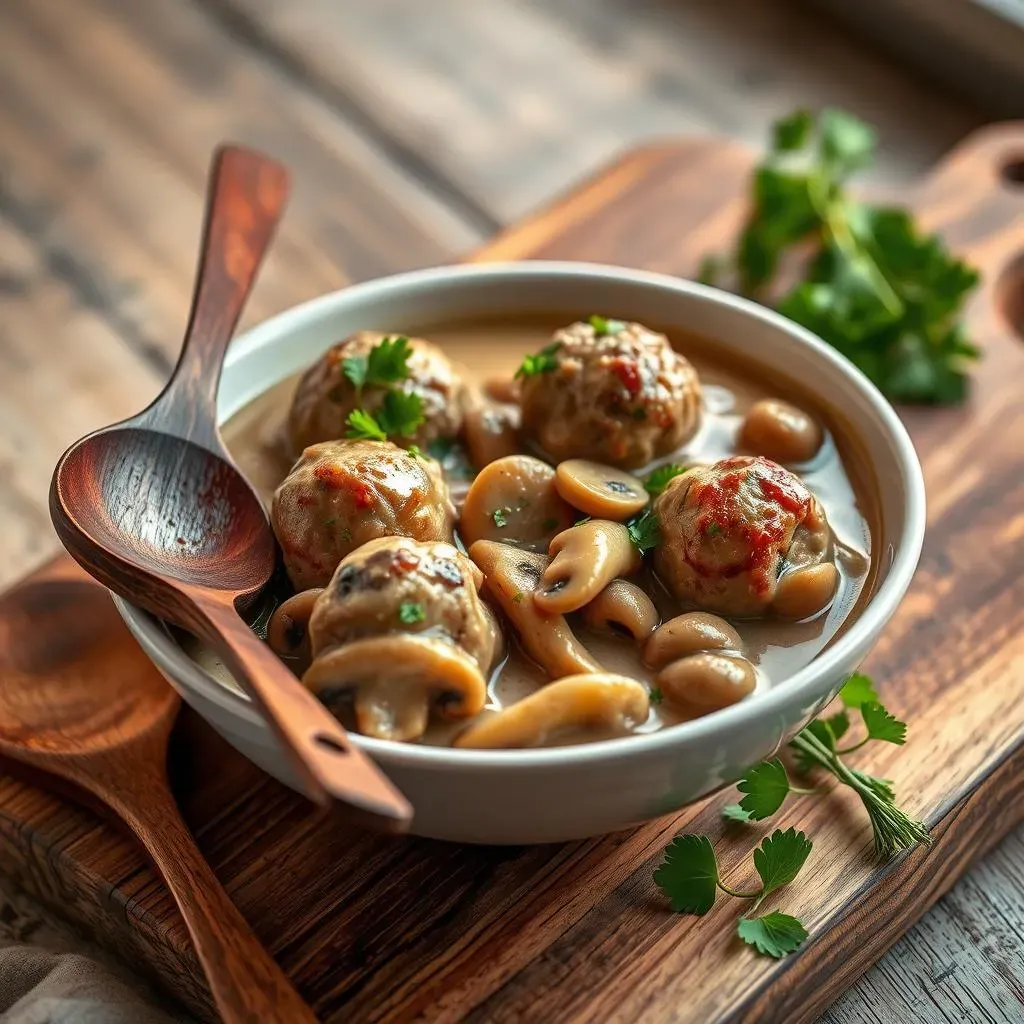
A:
x,y
839,476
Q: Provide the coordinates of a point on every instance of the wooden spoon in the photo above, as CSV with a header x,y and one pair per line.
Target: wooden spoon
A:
x,y
155,509
92,710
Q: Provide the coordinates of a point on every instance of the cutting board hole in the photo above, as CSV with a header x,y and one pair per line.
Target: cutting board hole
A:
x,y
1013,172
1009,293
330,743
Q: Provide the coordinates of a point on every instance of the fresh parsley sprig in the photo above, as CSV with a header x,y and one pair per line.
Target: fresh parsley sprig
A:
x,y
543,361
689,876
644,531
658,479
400,412
817,746
886,296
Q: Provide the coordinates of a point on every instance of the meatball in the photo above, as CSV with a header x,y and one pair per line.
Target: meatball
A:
x,y
729,530
398,585
341,494
620,395
324,396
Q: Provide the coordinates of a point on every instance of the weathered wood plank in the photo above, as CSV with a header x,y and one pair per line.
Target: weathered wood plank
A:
x,y
512,100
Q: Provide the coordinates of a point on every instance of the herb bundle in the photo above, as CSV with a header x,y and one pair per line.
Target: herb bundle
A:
x,y
885,295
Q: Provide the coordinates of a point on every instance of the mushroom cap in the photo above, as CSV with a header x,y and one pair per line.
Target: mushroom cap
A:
x,y
395,585
341,494
729,529
620,398
324,396
397,679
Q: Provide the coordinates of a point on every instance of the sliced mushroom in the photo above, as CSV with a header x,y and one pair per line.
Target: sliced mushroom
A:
x,y
585,560
510,578
690,633
397,679
804,592
622,607
514,500
603,492
564,711
781,432
707,682
288,629
491,430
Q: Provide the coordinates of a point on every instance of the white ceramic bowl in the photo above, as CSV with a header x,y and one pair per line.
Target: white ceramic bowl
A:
x,y
530,796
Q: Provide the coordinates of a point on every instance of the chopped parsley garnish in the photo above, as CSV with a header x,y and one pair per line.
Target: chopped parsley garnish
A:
x,y
542,362
500,517
644,531
362,426
885,295
656,695
386,363
658,479
603,326
411,612
712,530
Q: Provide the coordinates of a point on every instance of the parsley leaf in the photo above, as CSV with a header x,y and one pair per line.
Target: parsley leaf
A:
x,y
411,612
386,363
644,531
354,367
689,874
362,426
838,724
733,812
780,857
883,726
543,361
857,690
603,326
400,413
500,517
656,696
658,479
765,787
773,934
885,295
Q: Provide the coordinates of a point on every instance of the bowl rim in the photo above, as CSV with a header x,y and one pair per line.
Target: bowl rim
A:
x,y
805,686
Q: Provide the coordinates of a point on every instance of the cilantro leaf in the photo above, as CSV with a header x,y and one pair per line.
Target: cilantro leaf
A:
x,y
388,361
658,479
780,857
847,143
543,361
857,690
362,426
883,726
733,812
411,612
603,326
644,531
400,413
689,874
772,934
765,786
354,367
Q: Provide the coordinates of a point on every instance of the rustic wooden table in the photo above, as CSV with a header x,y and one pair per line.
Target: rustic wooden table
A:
x,y
415,130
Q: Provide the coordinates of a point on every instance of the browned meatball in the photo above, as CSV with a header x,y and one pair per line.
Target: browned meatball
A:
x,y
620,398
730,529
341,494
324,396
398,585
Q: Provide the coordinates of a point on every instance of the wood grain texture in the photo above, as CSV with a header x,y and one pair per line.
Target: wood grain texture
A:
x,y
372,930
508,99
64,710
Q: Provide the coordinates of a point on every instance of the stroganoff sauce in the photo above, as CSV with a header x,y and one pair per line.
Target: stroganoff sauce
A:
x,y
838,476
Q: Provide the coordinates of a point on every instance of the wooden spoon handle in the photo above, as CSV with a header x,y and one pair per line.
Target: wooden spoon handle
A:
x,y
245,197
247,985
329,766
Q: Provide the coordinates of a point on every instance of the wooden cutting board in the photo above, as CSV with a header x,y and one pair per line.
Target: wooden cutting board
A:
x,y
394,930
